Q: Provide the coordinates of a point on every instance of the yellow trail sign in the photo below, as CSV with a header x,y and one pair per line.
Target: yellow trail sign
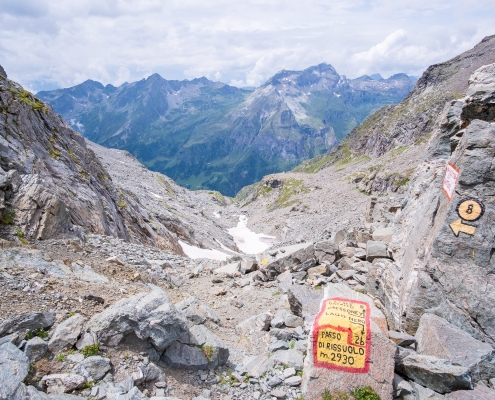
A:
x,y
458,226
342,336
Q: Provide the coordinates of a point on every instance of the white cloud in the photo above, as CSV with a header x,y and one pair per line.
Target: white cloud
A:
x,y
57,43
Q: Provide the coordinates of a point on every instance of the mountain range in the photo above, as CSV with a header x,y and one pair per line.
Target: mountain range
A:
x,y
209,135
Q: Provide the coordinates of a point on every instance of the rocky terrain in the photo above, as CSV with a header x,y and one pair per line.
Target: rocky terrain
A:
x,y
208,135
379,284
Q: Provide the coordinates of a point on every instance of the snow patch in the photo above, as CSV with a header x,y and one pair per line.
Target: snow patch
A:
x,y
247,241
196,252
216,214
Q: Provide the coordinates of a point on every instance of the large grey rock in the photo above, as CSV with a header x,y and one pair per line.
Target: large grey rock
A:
x,y
437,337
248,266
382,281
286,258
326,251
197,311
434,373
260,322
14,367
304,301
35,349
85,273
383,234
94,367
150,316
228,270
376,249
62,383
86,339
290,358
29,321
480,392
443,273
401,339
66,333
197,349
33,260
293,321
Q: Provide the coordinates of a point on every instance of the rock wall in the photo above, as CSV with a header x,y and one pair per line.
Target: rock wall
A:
x,y
52,184
443,249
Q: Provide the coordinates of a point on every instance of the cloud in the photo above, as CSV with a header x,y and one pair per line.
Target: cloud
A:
x,y
57,43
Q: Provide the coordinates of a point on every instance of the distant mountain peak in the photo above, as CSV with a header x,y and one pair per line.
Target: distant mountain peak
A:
x,y
376,77
209,135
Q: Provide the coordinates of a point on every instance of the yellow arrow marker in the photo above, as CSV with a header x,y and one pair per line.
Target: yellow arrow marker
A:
x,y
458,226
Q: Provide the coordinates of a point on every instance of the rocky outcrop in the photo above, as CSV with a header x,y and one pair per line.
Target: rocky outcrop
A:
x,y
51,183
415,116
149,316
14,366
444,256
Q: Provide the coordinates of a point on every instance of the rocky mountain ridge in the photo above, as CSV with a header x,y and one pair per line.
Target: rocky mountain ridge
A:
x,y
413,120
208,135
53,184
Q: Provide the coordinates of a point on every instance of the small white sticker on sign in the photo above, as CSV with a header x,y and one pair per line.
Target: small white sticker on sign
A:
x,y
451,177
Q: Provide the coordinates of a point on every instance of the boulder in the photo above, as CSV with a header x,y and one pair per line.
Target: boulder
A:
x,y
228,270
14,367
304,301
197,349
480,392
62,383
290,358
92,368
317,271
197,311
434,373
382,282
257,366
86,339
150,316
383,234
401,339
248,266
304,266
285,258
345,263
260,322
30,321
375,364
402,387
278,321
293,321
278,345
376,249
437,337
85,273
326,251
300,276
66,333
282,334
284,280
35,349
346,274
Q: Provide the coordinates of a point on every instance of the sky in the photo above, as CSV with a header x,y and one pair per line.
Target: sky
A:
x,y
47,44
